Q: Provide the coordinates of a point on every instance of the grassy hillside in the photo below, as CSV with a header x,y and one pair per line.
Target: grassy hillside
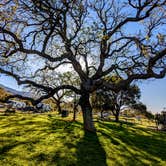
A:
x,y
34,140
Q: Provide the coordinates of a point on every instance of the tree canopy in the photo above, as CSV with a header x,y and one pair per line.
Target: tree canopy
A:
x,y
107,100
39,39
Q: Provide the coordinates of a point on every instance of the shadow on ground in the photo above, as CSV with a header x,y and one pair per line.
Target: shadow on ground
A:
x,y
138,146
88,150
49,140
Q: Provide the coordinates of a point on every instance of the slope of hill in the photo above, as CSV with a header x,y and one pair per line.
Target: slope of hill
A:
x,y
13,91
50,140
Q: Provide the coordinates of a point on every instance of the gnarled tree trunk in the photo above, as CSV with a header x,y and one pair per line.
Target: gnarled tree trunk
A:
x,y
101,114
59,107
117,112
117,117
74,112
87,112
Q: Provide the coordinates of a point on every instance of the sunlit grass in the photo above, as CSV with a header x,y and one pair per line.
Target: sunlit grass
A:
x,y
36,139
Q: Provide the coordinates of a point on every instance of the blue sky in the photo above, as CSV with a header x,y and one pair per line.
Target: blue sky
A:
x,y
9,82
153,92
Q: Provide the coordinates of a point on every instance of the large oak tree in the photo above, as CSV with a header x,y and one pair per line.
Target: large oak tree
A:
x,y
90,38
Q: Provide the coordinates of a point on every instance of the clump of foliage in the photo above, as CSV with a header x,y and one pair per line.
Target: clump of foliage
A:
x,y
107,100
92,38
141,109
3,94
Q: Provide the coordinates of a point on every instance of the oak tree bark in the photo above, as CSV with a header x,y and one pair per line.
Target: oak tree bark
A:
x,y
87,112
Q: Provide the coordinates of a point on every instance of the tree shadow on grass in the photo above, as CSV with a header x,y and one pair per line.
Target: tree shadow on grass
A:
x,y
7,147
90,151
143,144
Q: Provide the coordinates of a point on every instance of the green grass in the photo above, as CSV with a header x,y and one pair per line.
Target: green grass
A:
x,y
34,140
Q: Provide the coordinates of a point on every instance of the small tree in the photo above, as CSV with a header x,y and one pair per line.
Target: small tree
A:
x,y
161,120
141,109
113,101
75,106
58,102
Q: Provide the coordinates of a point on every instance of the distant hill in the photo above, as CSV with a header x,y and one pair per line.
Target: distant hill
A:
x,y
14,92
